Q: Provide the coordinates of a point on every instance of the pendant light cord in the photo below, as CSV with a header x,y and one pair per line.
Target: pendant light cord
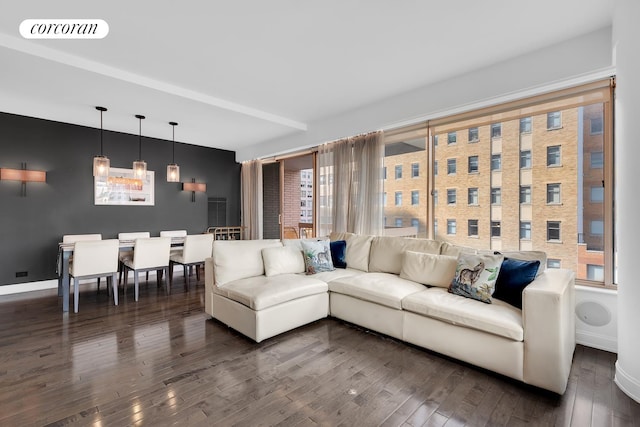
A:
x,y
101,132
140,138
173,156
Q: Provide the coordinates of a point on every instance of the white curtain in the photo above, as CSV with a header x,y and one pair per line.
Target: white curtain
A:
x,y
350,185
251,181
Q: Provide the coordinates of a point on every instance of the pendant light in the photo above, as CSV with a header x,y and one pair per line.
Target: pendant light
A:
x,y
101,163
140,166
173,170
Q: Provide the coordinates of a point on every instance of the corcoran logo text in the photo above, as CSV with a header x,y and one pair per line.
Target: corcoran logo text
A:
x,y
64,29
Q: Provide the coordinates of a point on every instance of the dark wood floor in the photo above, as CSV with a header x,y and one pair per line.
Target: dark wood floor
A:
x,y
161,361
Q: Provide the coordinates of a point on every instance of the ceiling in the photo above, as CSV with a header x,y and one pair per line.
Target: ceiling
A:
x,y
236,74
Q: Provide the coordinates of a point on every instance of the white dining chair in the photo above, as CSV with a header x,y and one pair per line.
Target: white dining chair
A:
x,y
148,254
94,259
72,238
172,234
129,253
197,247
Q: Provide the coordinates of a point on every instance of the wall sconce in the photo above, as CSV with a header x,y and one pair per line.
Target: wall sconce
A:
x,y
194,186
23,175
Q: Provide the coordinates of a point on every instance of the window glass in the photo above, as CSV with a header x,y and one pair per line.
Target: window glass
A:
x,y
496,162
472,227
525,230
451,226
525,194
473,164
398,198
495,229
474,136
451,166
553,155
398,171
415,197
596,125
597,160
496,130
525,125
597,194
496,195
525,159
553,230
473,196
554,120
451,196
553,193
415,170
451,138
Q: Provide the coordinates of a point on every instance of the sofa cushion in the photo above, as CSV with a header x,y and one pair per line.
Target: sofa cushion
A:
x,y
357,255
498,318
282,260
382,288
455,250
476,276
514,276
226,254
338,273
386,252
339,253
429,269
260,292
317,256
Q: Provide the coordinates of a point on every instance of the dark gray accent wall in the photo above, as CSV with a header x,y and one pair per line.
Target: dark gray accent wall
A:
x,y
32,226
271,200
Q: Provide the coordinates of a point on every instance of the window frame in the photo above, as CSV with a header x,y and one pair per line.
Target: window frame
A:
x,y
452,192
452,161
528,159
559,156
553,115
559,231
470,135
477,196
496,196
477,164
496,229
471,226
498,157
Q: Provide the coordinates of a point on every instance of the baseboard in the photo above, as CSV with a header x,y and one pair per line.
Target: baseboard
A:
x,y
629,385
601,342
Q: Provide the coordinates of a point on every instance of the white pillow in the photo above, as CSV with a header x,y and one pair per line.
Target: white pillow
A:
x,y
282,260
429,269
357,253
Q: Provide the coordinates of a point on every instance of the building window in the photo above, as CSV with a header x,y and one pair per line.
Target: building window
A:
x,y
384,198
596,126
398,222
435,197
415,222
435,140
398,198
415,170
495,228
525,159
496,195
473,164
597,194
553,231
496,162
415,198
597,160
398,171
435,168
597,228
435,227
472,196
451,138
525,230
553,194
451,166
525,194
474,136
472,228
451,226
525,125
595,272
451,196
553,263
553,155
384,172
554,120
496,130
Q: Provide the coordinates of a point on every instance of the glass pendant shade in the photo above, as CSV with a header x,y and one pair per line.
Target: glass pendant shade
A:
x,y
140,169
101,166
173,172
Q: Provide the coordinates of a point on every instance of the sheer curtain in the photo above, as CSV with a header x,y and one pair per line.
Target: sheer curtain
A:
x,y
350,185
251,182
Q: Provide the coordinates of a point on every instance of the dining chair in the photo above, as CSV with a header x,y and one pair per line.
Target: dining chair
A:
x,y
197,247
129,253
174,233
72,238
148,254
94,259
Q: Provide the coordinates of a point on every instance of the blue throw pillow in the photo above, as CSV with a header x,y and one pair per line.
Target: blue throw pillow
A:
x,y
338,253
514,276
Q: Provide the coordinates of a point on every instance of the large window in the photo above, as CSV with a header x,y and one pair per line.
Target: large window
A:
x,y
525,230
553,155
496,195
496,162
496,130
451,196
452,138
472,228
553,194
472,196
525,125
451,226
398,171
525,194
451,166
473,164
415,197
554,120
415,170
553,231
474,136
525,159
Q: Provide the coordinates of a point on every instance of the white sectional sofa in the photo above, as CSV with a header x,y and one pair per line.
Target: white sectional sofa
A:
x,y
261,299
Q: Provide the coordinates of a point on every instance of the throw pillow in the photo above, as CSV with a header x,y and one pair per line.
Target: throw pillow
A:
x,y
429,269
514,276
476,276
317,256
338,253
282,260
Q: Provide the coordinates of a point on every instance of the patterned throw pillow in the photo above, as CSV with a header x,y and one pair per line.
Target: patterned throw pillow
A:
x,y
317,256
476,276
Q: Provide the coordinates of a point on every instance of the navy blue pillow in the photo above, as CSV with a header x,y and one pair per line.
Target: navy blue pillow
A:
x,y
338,251
514,276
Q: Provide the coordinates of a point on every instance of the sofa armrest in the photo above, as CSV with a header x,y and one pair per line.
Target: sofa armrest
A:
x,y
208,285
548,305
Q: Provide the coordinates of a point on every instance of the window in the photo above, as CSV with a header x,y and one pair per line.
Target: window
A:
x,y
597,194
384,173
553,263
451,196
415,170
554,120
525,194
597,160
398,222
451,166
415,198
525,159
496,162
596,126
323,179
451,138
553,194
496,195
451,226
553,155
435,168
525,125
495,228
496,130
398,198
473,164
398,171
472,196
595,272
435,197
474,136
435,227
384,198
435,140
553,231
525,230
415,222
472,228
597,228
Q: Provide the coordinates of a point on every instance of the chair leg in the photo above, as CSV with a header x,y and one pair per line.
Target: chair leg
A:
x,y
197,267
98,291
170,273
126,279
76,294
167,286
136,280
147,278
114,285
185,270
